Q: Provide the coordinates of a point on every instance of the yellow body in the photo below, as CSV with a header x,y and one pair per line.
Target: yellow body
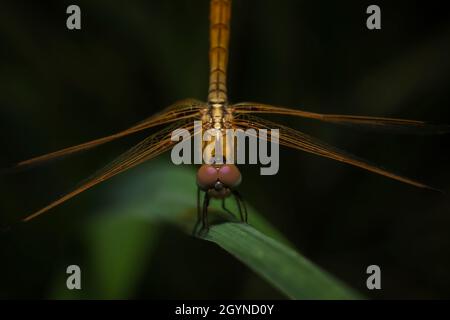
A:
x,y
218,115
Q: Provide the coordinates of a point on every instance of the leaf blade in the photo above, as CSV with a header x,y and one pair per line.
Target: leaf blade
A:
x,y
280,265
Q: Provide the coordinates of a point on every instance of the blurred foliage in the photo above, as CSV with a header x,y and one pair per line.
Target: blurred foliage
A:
x,y
125,233
60,87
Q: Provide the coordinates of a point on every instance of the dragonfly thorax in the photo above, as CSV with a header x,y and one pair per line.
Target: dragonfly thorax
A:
x,y
218,116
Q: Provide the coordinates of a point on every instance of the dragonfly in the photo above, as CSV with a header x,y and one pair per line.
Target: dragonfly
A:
x,y
221,181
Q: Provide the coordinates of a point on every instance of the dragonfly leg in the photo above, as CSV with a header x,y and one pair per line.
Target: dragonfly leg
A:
x,y
205,224
199,214
240,201
239,207
227,210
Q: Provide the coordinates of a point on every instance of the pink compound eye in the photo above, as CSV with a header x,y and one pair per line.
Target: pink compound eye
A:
x,y
207,176
229,175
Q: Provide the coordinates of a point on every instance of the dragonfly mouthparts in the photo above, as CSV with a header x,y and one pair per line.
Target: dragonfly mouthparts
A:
x,y
218,186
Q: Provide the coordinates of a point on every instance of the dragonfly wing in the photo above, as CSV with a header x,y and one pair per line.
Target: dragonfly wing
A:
x,y
377,123
184,109
147,149
301,141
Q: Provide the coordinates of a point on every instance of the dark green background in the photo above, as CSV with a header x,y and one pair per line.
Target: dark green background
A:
x,y
131,59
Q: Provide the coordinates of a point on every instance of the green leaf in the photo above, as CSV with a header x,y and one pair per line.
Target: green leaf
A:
x,y
280,265
161,192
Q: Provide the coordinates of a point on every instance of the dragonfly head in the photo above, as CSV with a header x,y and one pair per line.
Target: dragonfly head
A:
x,y
218,180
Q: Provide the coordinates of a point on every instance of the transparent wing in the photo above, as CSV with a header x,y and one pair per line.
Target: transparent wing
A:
x,y
147,149
378,123
184,109
300,141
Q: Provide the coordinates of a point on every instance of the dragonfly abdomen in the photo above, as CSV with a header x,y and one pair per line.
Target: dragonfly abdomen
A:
x,y
218,52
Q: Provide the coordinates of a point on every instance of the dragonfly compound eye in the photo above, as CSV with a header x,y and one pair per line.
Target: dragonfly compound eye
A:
x,y
207,176
229,175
